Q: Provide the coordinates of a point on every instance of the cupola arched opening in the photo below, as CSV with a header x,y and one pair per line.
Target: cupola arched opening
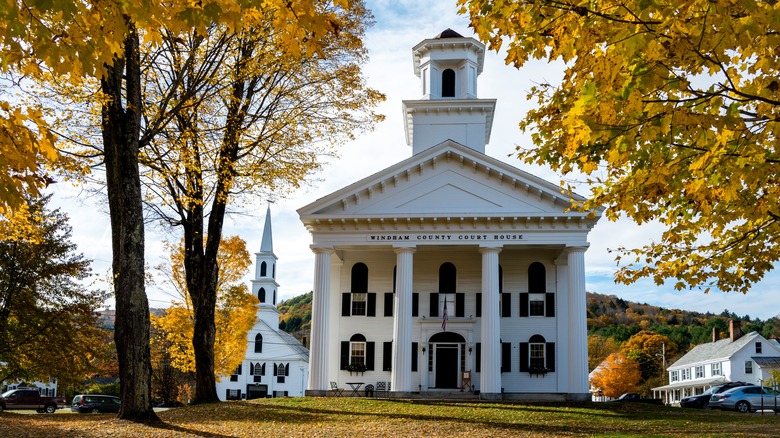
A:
x,y
261,295
448,83
263,269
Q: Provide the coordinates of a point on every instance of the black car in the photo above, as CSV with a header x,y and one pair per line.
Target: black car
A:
x,y
94,403
702,400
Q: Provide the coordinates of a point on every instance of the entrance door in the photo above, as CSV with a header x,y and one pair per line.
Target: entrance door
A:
x,y
447,365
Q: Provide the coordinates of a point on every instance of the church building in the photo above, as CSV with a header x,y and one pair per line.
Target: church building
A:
x,y
275,364
451,270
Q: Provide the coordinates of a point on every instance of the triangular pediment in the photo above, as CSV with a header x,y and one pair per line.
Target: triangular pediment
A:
x,y
447,180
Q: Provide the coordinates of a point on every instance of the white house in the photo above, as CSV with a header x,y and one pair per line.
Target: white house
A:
x,y
748,358
450,270
276,364
47,389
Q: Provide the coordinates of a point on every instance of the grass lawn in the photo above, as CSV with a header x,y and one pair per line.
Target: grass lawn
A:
x,y
358,417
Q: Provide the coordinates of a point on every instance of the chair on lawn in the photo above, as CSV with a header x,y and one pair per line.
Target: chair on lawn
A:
x,y
383,387
337,392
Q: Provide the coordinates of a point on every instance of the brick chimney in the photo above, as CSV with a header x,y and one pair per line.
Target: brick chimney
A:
x,y
735,330
715,334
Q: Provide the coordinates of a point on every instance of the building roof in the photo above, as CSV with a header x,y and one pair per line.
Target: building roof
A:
x,y
448,33
267,244
717,380
721,349
767,362
294,344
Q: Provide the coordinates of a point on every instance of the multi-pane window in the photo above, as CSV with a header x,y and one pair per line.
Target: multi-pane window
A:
x,y
536,304
537,355
358,304
449,299
699,372
357,353
748,367
674,376
758,347
716,371
686,374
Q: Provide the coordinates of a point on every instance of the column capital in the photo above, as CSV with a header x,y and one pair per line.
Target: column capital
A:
x,y
577,248
491,248
408,248
322,249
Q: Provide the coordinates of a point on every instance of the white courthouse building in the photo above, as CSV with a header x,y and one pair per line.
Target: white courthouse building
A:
x,y
275,364
450,264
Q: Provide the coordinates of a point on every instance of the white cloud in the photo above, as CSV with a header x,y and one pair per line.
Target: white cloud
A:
x,y
400,25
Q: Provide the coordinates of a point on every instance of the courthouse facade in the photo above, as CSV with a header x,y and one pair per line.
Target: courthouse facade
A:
x,y
450,270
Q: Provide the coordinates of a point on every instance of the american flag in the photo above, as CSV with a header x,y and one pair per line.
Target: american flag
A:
x,y
444,318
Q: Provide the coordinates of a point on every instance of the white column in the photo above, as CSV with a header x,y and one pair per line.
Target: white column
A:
x,y
490,372
578,330
318,351
401,376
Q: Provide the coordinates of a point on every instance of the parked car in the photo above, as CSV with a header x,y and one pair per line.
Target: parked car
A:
x,y
634,397
95,403
745,399
701,401
30,398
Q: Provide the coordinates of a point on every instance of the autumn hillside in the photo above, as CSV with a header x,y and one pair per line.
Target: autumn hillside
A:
x,y
295,314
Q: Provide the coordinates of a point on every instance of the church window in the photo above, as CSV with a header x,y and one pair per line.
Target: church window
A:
x,y
281,371
274,301
261,295
259,343
263,269
273,270
448,83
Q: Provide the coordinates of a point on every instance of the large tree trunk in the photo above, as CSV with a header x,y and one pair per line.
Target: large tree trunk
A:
x,y
121,129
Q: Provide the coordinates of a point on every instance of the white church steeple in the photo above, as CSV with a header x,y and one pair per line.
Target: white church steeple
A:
x,y
448,66
264,285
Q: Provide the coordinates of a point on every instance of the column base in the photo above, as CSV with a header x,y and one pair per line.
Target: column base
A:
x,y
491,396
316,393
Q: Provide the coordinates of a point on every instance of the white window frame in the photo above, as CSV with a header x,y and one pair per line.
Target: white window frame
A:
x,y
748,367
357,353
699,370
534,306
536,351
359,304
674,376
716,369
759,348
686,374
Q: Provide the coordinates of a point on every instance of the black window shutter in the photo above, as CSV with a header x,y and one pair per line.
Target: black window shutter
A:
x,y
434,310
506,305
549,301
370,353
479,304
415,304
506,357
387,356
276,370
414,356
523,304
262,370
371,304
550,356
388,304
479,357
346,304
287,369
239,369
524,356
344,355
251,369
460,304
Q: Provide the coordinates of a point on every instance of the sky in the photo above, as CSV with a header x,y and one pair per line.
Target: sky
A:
x,y
401,24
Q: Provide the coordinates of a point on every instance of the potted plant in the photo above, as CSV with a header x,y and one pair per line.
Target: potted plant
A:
x,y
356,368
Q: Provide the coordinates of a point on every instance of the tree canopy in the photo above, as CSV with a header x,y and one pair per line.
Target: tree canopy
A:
x,y
672,111
42,300
617,376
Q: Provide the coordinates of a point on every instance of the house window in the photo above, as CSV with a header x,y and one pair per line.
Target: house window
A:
x,y
686,374
674,376
259,343
536,350
358,304
758,347
536,304
699,372
448,83
449,301
748,367
357,350
716,369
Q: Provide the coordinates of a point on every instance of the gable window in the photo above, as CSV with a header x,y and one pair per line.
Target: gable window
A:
x,y
259,343
716,369
758,347
448,83
699,371
748,367
263,269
